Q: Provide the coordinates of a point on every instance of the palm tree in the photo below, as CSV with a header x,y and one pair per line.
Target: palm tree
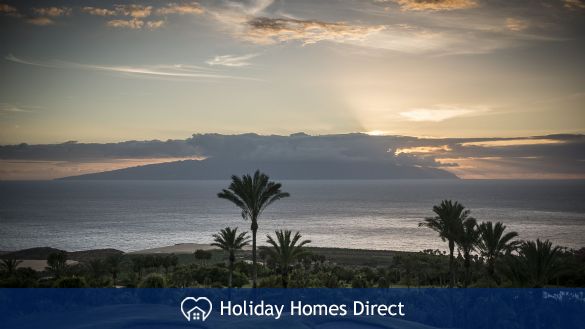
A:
x,y
169,261
448,223
493,243
229,240
95,268
202,256
540,260
9,265
285,250
468,237
252,194
57,263
138,264
114,265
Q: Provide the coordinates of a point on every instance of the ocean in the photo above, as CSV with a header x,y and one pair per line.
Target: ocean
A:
x,y
135,215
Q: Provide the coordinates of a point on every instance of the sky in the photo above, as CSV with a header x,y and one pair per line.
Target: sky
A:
x,y
104,72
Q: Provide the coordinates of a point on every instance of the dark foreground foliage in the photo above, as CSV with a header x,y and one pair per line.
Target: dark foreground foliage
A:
x,y
326,268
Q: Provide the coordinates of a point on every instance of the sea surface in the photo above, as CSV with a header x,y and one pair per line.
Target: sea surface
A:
x,y
135,215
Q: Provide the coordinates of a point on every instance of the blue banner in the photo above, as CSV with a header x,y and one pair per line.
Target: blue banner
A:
x,y
292,308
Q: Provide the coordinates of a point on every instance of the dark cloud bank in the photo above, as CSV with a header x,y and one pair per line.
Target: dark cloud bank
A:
x,y
300,156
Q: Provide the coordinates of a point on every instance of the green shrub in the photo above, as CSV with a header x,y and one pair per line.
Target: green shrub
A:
x,y
382,282
273,281
239,279
330,280
359,281
75,282
17,282
101,282
216,284
153,281
194,275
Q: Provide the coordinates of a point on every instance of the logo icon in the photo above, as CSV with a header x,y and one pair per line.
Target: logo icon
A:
x,y
197,309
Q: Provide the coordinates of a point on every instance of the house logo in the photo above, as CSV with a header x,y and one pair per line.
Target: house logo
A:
x,y
196,309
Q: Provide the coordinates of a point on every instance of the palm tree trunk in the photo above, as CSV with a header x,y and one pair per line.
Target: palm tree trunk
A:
x,y
232,259
451,262
491,268
284,279
254,229
231,274
467,270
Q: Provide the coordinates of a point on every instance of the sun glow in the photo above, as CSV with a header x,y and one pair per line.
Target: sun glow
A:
x,y
377,133
422,149
513,142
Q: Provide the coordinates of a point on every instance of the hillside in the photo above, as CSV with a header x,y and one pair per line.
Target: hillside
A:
x,y
305,169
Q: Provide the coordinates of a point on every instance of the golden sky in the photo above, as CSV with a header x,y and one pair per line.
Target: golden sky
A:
x,y
108,71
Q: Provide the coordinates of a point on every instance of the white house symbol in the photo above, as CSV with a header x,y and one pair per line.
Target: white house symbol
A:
x,y
196,313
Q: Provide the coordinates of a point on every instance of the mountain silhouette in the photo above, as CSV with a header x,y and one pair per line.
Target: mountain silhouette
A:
x,y
222,168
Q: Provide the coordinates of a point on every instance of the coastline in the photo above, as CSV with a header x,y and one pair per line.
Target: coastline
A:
x,y
35,258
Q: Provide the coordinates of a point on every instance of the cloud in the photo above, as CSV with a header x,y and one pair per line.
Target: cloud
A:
x,y
259,22
177,71
8,10
231,60
38,16
422,150
514,142
438,113
561,156
141,11
181,9
40,21
10,108
264,30
516,25
249,8
53,11
250,21
265,22
99,11
458,31
539,157
133,24
136,11
78,152
435,5
574,4
153,25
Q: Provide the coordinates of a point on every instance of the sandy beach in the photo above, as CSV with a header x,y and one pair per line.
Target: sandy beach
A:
x,y
180,248
39,265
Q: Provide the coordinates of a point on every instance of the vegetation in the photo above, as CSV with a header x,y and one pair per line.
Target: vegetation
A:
x,y
285,251
57,263
9,266
466,241
229,240
202,256
252,194
153,280
539,261
448,223
493,244
73,282
325,267
113,266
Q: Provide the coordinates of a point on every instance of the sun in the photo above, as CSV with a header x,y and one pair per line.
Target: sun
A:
x,y
377,133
